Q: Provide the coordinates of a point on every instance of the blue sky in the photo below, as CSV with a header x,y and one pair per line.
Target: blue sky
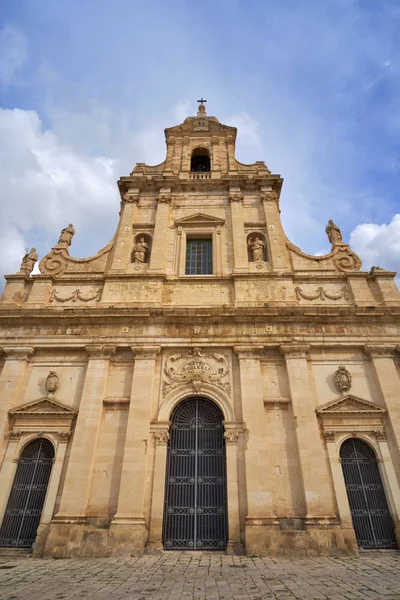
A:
x,y
88,86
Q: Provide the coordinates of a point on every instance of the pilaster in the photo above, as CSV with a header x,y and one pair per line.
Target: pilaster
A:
x,y
277,239
240,260
159,431
314,467
11,381
158,249
128,529
233,434
121,256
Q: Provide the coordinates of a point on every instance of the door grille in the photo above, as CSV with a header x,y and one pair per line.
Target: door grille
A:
x,y
195,507
25,503
372,522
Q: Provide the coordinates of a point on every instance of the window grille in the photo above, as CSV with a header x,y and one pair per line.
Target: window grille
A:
x,y
199,257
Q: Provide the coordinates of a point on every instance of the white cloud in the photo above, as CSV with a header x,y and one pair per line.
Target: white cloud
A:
x,y
13,54
378,245
47,184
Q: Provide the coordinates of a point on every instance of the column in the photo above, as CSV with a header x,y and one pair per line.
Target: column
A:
x,y
11,380
160,229
160,435
78,478
260,515
339,486
388,379
128,529
278,251
314,467
240,258
232,432
51,495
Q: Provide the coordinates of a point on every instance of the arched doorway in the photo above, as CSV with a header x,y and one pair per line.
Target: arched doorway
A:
x,y
195,506
28,492
372,522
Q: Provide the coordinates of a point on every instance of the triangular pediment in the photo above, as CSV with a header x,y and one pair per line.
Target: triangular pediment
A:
x,y
350,404
200,219
43,406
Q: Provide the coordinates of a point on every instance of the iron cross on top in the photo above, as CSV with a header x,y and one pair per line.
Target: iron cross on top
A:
x,y
202,101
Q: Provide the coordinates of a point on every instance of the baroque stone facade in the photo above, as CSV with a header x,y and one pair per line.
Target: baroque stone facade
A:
x,y
298,352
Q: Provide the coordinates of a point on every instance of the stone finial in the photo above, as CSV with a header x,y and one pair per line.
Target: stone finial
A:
x,y
334,233
202,109
342,379
66,235
28,262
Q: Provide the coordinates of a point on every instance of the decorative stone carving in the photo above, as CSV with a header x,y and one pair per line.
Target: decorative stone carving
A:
x,y
161,438
18,352
231,437
381,351
52,382
329,436
63,436
333,232
14,436
130,198
75,296
235,197
342,379
28,262
196,368
322,294
268,196
66,235
380,435
257,248
346,260
140,251
116,402
295,350
164,197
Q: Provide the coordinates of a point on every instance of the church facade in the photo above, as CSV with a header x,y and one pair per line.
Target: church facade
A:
x,y
200,383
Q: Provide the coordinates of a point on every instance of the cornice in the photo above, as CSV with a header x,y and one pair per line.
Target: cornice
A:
x,y
380,350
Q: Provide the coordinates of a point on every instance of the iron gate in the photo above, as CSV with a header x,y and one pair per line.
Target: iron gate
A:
x,y
195,507
25,504
372,522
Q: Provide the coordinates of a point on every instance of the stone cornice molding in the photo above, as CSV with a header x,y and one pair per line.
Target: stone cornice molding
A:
x,y
380,350
18,352
294,350
100,351
145,352
253,351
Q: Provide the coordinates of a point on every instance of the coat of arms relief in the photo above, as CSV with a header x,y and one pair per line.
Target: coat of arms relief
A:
x,y
196,368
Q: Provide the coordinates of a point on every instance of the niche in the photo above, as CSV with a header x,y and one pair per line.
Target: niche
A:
x,y
141,249
200,161
256,247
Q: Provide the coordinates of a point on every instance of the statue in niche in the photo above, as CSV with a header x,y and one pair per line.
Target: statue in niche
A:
x,y
52,382
257,247
140,251
334,233
28,262
66,235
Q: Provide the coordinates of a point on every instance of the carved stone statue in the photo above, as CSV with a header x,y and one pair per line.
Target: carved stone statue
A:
x,y
52,382
334,233
140,251
66,235
28,262
342,379
257,247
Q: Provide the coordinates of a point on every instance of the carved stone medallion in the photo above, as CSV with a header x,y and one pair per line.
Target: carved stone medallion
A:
x,y
342,379
197,368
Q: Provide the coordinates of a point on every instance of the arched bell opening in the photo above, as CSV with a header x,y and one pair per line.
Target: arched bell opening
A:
x,y
372,522
27,496
195,505
200,161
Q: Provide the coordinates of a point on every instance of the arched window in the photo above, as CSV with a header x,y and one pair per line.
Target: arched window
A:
x,y
200,161
372,522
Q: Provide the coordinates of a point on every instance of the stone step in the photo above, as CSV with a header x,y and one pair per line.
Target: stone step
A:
x,y
15,552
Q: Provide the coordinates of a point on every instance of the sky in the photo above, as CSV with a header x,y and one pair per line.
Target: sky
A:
x,y
87,88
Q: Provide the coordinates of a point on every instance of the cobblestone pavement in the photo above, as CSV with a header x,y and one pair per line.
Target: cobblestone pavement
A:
x,y
178,576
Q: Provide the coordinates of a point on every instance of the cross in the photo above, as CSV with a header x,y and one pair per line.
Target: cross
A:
x,y
202,101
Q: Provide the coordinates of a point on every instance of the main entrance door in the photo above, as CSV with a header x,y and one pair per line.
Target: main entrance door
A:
x,y
195,507
25,504
372,522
